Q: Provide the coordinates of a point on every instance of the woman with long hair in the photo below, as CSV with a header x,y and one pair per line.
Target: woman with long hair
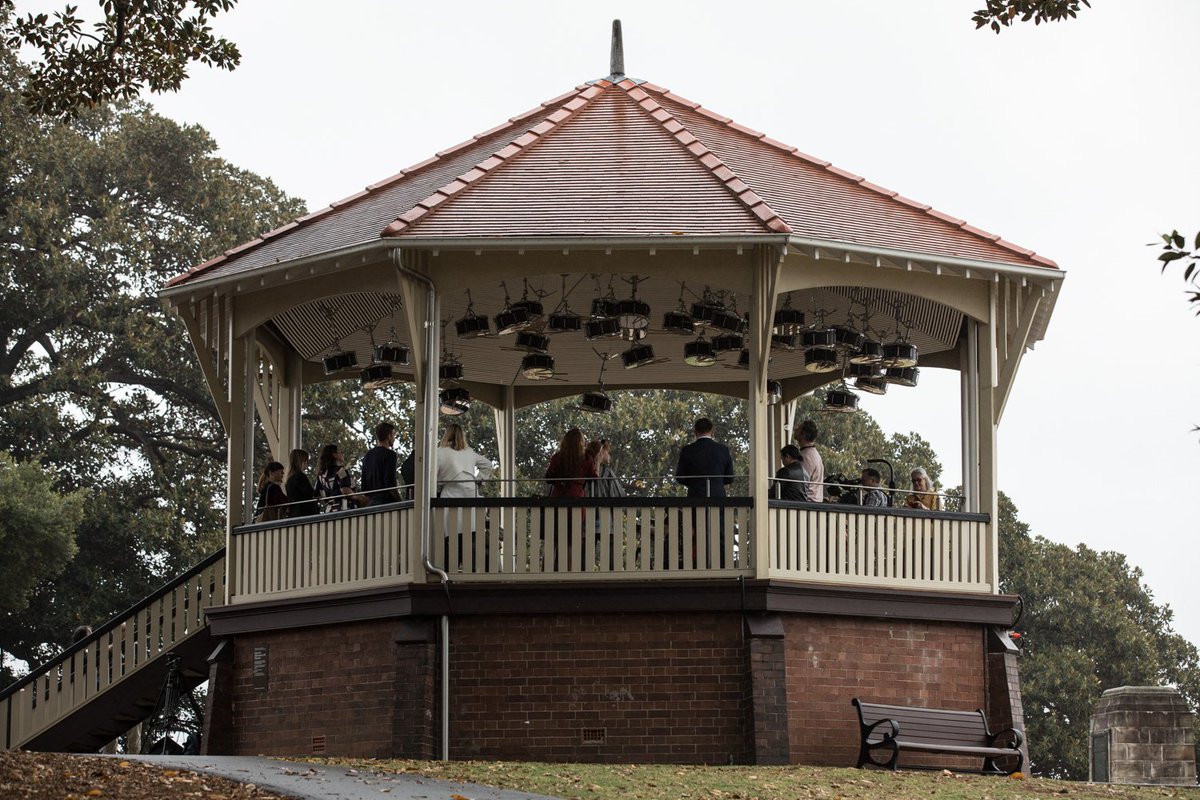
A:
x,y
606,484
299,488
458,466
570,468
923,494
270,493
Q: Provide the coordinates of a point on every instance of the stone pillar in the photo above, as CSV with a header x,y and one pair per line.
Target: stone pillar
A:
x,y
767,706
219,736
414,730
1142,734
1004,706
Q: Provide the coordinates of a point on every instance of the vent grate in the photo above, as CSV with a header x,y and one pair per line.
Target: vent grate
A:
x,y
594,735
318,744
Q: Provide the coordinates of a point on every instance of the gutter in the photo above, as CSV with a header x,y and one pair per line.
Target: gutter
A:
x,y
1004,268
426,485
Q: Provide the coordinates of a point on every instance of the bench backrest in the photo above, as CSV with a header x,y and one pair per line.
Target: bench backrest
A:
x,y
933,725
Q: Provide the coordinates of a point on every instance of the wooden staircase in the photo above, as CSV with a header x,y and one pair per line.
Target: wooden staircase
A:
x,y
105,684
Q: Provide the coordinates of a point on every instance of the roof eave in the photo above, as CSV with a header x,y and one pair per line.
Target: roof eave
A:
x,y
1050,278
385,245
929,262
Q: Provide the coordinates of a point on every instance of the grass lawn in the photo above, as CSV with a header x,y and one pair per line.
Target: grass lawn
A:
x,y
674,782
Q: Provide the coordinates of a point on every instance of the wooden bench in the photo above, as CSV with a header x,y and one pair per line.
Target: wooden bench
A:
x,y
933,730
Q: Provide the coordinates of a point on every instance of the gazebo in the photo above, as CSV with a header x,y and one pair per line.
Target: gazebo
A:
x,y
622,218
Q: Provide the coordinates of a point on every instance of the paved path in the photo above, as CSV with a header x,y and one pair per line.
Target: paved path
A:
x,y
320,782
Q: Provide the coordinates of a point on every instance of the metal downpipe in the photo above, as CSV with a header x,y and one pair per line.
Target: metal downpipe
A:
x,y
429,477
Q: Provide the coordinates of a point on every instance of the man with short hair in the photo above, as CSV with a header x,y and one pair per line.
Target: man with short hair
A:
x,y
705,466
791,481
873,496
379,467
811,459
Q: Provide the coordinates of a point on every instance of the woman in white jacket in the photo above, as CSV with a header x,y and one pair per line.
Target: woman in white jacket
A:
x,y
458,466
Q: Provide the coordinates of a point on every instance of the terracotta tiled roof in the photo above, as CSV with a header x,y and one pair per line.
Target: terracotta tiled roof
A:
x,y
821,201
605,164
622,159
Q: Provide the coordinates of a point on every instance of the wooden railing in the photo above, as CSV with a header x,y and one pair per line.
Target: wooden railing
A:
x,y
326,552
886,547
524,539
499,539
112,654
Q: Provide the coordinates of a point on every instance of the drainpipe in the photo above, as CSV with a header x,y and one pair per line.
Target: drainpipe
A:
x,y
431,402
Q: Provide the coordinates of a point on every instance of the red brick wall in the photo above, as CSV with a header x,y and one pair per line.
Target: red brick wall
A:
x,y
336,681
834,659
662,687
677,687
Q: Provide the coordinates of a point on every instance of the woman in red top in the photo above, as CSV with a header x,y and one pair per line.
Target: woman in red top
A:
x,y
570,467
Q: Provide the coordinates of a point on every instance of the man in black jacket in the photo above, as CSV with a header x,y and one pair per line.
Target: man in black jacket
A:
x,y
379,467
791,481
705,466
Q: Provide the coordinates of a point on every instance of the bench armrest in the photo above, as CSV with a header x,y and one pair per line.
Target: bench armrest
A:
x,y
1017,737
867,730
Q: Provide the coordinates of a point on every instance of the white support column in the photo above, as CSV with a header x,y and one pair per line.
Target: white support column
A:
x,y
987,413
239,498
424,333
506,441
762,317
969,383
783,419
247,404
294,393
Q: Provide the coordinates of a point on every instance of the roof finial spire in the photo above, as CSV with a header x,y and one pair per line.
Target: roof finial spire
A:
x,y
617,59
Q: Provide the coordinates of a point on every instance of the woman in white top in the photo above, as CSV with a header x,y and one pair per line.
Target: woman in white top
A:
x,y
458,466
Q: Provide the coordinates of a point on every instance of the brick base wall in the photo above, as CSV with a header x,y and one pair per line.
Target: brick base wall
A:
x,y
653,687
832,660
332,689
669,687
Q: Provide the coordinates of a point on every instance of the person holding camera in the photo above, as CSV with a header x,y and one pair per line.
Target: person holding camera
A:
x,y
873,496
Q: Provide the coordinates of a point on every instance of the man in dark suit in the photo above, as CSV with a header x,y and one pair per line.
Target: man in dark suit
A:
x,y
379,467
705,466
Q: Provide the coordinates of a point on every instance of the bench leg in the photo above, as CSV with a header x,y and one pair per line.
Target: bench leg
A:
x,y
865,757
990,768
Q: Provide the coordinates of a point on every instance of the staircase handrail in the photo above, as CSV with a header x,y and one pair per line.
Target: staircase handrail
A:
x,y
109,626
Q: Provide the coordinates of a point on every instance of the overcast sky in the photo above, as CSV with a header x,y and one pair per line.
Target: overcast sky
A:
x,y
1076,140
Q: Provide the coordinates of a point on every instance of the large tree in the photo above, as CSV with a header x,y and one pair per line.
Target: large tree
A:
x,y
98,383
37,535
1090,624
137,44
